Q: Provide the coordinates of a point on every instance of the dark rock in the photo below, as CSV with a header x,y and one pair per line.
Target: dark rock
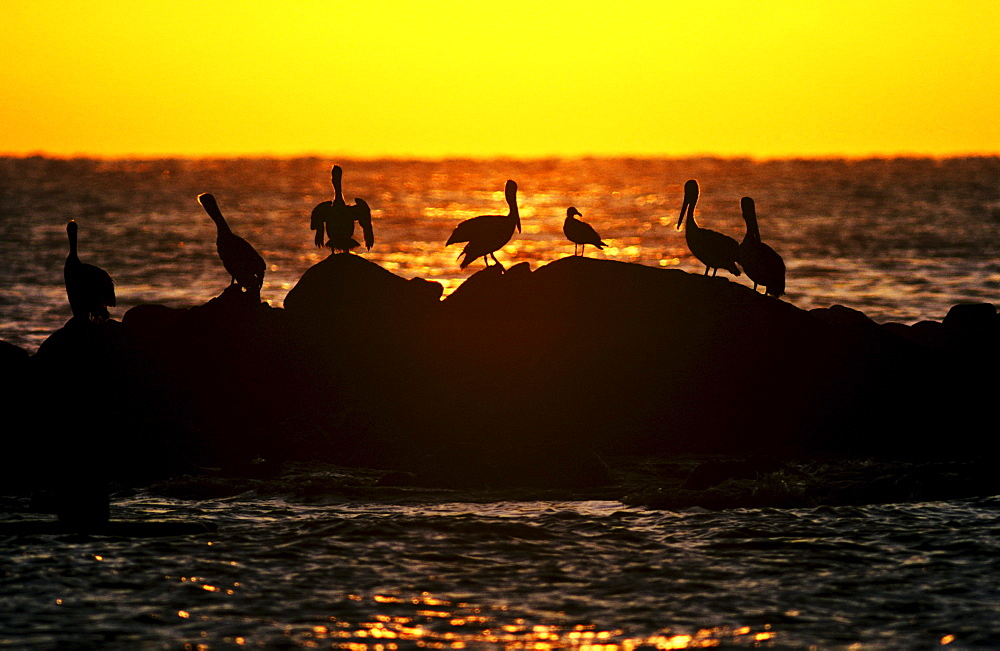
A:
x,y
711,473
843,316
518,377
347,287
974,318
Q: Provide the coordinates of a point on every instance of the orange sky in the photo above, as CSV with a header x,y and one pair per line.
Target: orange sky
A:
x,y
377,78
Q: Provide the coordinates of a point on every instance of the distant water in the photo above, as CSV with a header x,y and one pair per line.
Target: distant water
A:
x,y
899,239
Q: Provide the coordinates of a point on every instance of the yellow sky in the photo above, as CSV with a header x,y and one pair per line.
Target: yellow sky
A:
x,y
480,78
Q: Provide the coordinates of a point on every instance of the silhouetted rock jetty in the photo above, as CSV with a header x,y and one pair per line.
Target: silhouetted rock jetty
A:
x,y
581,358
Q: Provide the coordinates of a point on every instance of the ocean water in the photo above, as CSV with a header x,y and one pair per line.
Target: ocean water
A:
x,y
518,575
901,240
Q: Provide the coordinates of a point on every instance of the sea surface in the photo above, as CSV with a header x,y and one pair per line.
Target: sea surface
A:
x,y
899,239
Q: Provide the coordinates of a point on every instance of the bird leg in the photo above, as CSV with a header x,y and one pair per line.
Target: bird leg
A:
x,y
494,256
706,270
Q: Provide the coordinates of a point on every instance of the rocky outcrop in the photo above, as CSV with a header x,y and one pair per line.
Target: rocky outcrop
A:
x,y
365,367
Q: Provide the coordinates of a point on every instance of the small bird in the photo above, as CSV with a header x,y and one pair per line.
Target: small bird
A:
x,y
714,250
90,289
240,259
338,218
761,263
487,234
580,233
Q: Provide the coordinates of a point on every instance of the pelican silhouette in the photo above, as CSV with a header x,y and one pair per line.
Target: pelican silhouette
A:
x,y
580,233
240,259
338,218
714,250
486,234
341,227
761,263
90,289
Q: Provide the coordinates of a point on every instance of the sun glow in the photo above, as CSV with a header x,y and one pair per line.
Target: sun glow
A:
x,y
392,78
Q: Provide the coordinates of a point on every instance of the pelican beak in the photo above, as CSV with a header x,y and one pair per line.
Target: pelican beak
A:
x,y
518,223
684,206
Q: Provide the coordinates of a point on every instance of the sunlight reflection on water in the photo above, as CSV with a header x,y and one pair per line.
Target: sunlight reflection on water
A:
x,y
898,239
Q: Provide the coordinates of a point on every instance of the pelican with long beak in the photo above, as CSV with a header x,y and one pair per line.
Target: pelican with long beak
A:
x,y
240,259
714,250
486,234
762,264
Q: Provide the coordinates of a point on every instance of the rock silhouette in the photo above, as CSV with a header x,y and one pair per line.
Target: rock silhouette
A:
x,y
365,367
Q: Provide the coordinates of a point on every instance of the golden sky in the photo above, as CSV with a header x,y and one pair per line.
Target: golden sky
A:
x,y
374,78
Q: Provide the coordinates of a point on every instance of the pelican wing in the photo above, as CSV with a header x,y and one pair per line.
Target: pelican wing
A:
x,y
714,249
363,215
242,262
472,229
317,221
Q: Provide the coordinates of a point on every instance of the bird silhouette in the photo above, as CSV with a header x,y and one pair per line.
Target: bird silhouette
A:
x,y
90,289
486,234
580,233
761,263
714,250
240,259
338,218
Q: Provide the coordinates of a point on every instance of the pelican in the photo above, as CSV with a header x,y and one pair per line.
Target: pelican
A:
x,y
762,264
487,234
338,218
714,250
90,289
240,259
580,233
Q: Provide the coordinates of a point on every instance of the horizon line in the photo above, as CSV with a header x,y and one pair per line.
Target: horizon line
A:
x,y
482,157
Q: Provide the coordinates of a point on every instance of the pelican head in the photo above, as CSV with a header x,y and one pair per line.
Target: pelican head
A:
x,y
690,199
71,228
336,174
573,212
208,202
510,192
747,204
